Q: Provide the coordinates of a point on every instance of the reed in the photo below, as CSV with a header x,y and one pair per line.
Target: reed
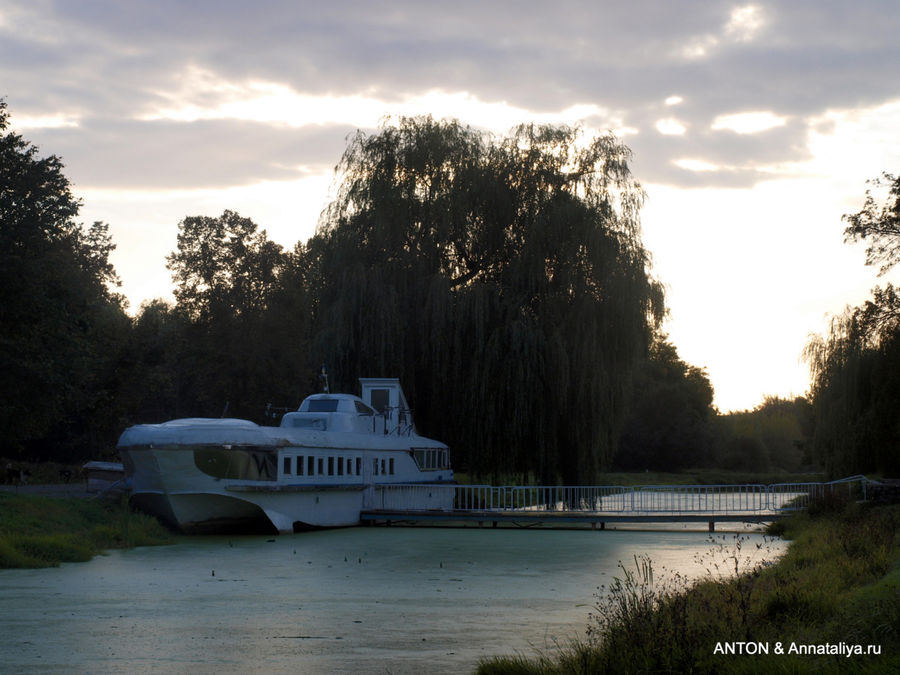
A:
x,y
40,531
839,582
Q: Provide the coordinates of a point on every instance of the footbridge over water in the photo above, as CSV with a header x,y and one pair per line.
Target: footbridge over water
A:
x,y
596,506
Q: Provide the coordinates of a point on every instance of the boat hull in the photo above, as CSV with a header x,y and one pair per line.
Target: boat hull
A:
x,y
204,513
166,483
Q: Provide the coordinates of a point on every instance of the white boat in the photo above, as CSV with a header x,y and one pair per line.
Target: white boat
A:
x,y
321,467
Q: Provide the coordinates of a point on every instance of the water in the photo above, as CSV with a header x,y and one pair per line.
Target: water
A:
x,y
361,600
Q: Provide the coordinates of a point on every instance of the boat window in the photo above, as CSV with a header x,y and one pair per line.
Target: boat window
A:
x,y
250,463
375,466
363,409
287,466
331,466
382,466
310,466
340,466
321,467
380,399
358,466
300,465
323,405
431,460
391,466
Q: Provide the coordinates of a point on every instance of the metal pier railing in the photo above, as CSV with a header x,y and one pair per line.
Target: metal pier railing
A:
x,y
606,502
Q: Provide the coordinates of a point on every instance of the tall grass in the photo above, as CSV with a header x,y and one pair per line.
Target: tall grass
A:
x,y
839,582
45,531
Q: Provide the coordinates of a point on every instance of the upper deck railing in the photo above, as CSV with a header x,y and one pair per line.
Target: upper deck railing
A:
x,y
643,499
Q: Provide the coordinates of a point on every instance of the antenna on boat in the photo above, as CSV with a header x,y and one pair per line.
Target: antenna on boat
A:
x,y
324,377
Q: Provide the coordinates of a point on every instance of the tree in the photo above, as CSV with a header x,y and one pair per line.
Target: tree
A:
x,y
503,280
241,341
856,389
152,379
669,424
61,323
772,436
855,369
223,266
879,224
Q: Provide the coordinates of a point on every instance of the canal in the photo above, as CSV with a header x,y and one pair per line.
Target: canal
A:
x,y
359,600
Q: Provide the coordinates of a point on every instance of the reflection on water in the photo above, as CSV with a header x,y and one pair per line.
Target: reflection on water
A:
x,y
362,600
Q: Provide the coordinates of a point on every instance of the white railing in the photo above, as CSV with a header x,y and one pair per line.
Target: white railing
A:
x,y
701,498
671,499
795,496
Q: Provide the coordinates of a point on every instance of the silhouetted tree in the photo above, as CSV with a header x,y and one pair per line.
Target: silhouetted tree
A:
x,y
61,324
504,280
774,436
223,266
878,224
669,424
242,333
855,369
152,378
856,389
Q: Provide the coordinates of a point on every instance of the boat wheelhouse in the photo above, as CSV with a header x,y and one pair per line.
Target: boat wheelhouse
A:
x,y
321,467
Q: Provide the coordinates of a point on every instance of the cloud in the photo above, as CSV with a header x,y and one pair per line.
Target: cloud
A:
x,y
670,126
162,154
164,108
163,78
748,122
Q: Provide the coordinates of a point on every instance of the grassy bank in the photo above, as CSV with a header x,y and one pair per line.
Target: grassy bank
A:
x,y
837,586
45,531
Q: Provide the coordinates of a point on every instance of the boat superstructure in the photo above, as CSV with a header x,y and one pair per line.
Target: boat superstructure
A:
x,y
319,468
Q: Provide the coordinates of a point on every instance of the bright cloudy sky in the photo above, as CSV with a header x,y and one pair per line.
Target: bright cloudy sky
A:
x,y
754,127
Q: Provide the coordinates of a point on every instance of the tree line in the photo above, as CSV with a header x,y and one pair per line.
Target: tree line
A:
x,y
502,279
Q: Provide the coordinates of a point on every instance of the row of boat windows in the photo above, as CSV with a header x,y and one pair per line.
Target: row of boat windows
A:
x,y
309,465
428,459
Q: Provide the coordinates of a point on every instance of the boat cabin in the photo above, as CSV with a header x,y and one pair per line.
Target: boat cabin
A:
x,y
381,410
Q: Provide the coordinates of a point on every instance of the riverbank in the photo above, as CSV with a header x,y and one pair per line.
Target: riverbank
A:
x,y
37,530
830,604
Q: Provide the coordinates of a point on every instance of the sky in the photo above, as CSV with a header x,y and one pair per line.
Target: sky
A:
x,y
754,127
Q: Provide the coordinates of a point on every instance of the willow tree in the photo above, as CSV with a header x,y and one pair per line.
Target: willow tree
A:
x,y
503,279
856,367
856,388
